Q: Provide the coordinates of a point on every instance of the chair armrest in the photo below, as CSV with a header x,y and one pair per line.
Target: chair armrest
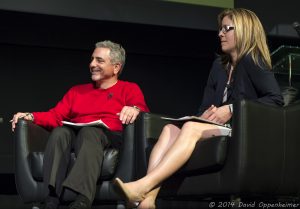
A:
x,y
126,165
28,138
125,168
32,137
256,147
147,130
146,126
292,166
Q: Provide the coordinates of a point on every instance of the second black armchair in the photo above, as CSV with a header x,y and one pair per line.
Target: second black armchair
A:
x,y
259,161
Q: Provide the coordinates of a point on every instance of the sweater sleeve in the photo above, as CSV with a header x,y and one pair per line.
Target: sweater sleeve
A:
x,y
54,116
135,97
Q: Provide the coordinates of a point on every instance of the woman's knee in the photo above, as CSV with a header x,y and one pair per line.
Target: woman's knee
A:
x,y
192,129
170,128
169,133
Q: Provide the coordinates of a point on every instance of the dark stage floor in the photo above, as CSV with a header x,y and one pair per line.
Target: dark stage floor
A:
x,y
15,202
9,199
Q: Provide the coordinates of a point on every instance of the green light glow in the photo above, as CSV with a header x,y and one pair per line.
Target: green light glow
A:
x,y
211,3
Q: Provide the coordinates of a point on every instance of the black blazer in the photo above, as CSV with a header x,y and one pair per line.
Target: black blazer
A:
x,y
250,81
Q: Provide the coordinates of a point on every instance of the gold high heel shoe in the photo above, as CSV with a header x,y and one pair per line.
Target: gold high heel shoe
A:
x,y
131,199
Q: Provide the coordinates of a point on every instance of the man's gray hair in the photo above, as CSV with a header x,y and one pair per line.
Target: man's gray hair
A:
x,y
117,52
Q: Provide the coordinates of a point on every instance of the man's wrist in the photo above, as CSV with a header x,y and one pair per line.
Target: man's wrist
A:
x,y
137,108
31,116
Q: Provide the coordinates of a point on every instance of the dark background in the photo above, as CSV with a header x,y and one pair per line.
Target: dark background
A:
x,y
43,55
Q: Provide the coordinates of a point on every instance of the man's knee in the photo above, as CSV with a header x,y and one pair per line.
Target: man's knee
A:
x,y
91,139
91,134
60,136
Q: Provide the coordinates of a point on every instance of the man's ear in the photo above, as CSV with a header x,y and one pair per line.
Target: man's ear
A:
x,y
117,68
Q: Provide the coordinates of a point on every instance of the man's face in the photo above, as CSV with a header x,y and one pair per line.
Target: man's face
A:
x,y
101,67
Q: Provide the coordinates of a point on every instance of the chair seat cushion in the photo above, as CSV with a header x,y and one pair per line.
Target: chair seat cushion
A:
x,y
109,165
209,155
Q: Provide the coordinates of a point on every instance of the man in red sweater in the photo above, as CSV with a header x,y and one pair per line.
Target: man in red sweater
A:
x,y
113,101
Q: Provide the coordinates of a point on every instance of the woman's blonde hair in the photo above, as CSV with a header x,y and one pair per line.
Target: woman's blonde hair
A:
x,y
250,36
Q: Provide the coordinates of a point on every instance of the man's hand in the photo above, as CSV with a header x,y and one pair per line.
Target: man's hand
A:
x,y
17,116
129,114
217,114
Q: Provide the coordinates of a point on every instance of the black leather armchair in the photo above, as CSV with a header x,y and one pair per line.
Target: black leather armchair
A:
x,y
259,161
30,143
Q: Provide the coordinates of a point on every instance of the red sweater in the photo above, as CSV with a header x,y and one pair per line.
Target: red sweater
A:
x,y
85,103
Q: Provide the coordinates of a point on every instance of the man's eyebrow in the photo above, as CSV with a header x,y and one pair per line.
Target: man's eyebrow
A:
x,y
98,58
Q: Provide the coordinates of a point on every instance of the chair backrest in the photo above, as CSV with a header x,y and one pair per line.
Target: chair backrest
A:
x,y
290,87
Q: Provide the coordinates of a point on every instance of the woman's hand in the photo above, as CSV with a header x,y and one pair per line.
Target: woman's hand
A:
x,y
217,114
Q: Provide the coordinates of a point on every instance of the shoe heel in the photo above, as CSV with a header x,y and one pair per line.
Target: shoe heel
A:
x,y
130,205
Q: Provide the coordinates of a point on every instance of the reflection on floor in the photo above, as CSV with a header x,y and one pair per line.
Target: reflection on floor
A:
x,y
12,202
15,202
9,199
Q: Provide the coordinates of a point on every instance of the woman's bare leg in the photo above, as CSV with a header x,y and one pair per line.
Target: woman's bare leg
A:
x,y
175,157
165,141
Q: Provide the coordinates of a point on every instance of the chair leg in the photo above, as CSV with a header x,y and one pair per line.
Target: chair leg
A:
x,y
235,201
35,207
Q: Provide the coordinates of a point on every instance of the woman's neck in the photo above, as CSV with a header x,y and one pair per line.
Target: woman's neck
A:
x,y
233,59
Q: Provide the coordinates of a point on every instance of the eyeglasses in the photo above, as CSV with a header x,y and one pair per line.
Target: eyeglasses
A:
x,y
226,28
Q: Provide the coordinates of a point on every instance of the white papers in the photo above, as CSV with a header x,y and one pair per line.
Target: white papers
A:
x,y
192,118
93,123
224,129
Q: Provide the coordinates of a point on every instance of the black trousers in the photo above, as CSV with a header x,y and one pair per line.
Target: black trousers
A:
x,y
88,144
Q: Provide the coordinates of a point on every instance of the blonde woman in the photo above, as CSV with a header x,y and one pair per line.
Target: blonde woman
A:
x,y
242,71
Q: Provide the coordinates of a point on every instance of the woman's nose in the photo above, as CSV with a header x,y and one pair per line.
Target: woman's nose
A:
x,y
220,34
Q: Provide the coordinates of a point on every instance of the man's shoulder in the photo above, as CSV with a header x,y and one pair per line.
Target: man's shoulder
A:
x,y
127,83
82,87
